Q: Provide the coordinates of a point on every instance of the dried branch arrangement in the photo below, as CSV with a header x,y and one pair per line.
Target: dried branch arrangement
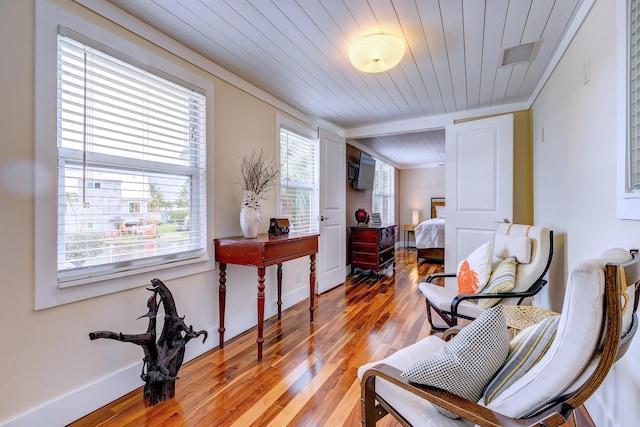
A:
x,y
259,172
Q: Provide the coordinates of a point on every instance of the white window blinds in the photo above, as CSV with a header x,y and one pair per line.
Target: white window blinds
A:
x,y
299,195
383,192
131,165
633,150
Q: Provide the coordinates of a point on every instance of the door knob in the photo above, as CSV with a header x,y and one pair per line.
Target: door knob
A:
x,y
322,217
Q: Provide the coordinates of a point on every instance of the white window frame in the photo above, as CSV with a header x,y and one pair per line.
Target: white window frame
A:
x,y
311,133
48,292
389,217
628,201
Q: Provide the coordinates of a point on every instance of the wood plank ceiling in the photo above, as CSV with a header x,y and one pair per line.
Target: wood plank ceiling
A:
x,y
297,51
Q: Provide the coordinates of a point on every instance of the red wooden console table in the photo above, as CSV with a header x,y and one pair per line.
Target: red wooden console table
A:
x,y
262,252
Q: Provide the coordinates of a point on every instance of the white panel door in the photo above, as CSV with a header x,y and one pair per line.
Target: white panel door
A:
x,y
331,245
479,184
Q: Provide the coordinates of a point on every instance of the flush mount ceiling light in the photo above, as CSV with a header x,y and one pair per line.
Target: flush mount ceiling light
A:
x,y
376,53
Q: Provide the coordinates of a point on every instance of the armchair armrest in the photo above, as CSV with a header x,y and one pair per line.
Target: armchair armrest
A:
x,y
450,333
465,408
438,276
533,289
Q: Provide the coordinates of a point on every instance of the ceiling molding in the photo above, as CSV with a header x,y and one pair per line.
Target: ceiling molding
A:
x,y
430,123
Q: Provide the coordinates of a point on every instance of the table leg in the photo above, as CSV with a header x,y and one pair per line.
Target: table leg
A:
x,y
260,310
279,291
312,286
222,293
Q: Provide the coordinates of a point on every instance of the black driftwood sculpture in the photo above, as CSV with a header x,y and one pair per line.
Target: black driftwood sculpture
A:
x,y
163,359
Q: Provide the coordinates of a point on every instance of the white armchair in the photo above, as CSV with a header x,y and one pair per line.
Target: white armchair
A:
x,y
530,246
594,330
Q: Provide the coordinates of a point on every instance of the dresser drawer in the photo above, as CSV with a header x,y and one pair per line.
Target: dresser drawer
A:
x,y
365,236
365,247
370,259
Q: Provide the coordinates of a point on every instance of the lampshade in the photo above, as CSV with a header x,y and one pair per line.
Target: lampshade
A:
x,y
415,217
376,53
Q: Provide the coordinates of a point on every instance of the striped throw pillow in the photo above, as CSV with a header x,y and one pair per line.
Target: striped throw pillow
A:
x,y
527,348
502,279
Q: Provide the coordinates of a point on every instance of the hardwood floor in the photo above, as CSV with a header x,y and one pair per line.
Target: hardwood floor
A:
x,y
308,373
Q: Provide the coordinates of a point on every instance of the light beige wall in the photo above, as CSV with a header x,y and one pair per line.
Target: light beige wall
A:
x,y
417,187
46,355
575,184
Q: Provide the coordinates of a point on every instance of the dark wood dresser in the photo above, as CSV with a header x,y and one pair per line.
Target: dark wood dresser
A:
x,y
373,248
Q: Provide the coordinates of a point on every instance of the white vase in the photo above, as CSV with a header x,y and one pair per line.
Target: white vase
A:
x,y
250,214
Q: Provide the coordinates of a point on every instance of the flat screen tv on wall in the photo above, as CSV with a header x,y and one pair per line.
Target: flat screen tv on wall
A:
x,y
366,173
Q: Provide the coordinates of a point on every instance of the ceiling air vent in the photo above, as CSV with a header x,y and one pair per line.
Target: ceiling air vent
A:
x,y
520,53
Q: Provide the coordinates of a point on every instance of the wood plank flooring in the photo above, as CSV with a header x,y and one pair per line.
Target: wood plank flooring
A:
x,y
308,373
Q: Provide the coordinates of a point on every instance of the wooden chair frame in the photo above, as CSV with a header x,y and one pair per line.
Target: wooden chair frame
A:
x,y
556,412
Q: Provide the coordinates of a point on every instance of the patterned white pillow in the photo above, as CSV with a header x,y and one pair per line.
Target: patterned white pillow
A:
x,y
466,364
474,270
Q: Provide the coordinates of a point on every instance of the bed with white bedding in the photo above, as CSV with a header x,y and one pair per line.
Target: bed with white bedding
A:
x,y
429,234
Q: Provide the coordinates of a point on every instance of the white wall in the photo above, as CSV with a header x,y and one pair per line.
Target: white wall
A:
x,y
416,188
574,184
51,372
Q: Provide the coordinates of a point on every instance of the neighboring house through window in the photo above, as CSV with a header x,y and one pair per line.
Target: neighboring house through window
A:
x,y
129,149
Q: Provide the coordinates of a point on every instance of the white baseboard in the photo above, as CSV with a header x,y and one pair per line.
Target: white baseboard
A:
x,y
83,401
77,404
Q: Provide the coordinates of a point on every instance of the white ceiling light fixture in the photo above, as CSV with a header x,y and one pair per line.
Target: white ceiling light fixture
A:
x,y
376,53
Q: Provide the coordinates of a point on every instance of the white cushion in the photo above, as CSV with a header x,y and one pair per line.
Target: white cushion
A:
x,y
617,256
441,297
473,271
540,247
440,211
571,350
518,247
414,409
466,363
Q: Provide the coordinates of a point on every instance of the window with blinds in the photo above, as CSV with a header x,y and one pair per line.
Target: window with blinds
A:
x,y
131,164
633,148
299,191
382,196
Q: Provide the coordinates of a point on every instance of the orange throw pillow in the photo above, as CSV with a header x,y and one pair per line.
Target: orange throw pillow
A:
x,y
467,279
475,269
